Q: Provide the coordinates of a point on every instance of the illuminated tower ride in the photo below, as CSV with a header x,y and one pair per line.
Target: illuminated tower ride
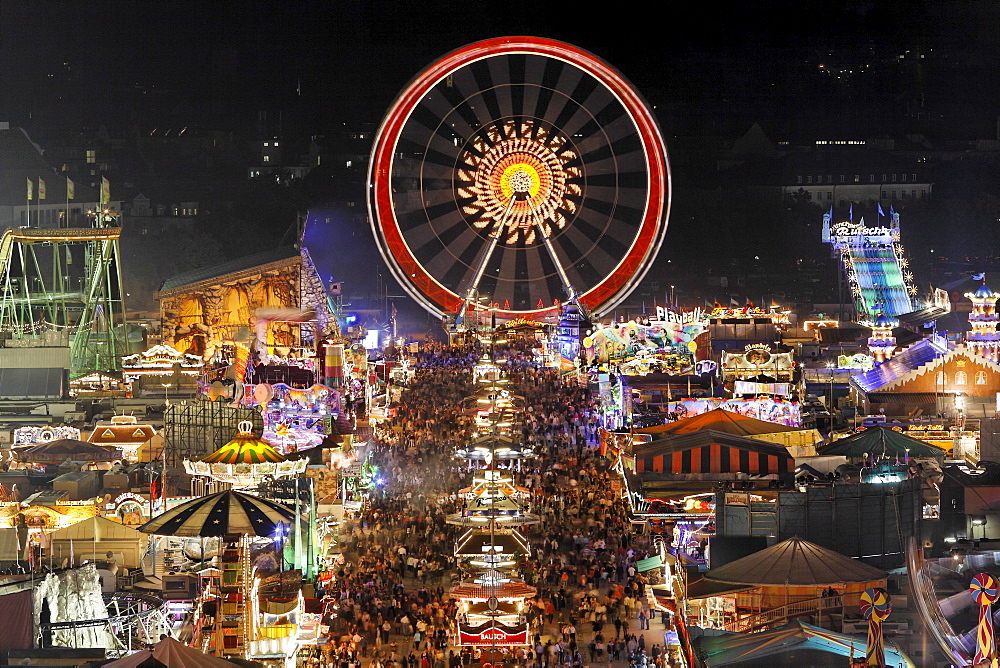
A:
x,y
875,266
63,286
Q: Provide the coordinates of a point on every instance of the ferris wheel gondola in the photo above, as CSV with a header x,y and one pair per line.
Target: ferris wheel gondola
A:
x,y
521,172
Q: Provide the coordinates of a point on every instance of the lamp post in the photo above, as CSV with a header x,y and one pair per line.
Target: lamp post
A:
x,y
166,392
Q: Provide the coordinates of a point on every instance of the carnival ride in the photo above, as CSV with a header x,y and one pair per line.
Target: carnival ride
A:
x,y
67,279
874,264
521,172
134,621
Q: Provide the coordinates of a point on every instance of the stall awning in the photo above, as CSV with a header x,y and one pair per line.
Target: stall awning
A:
x,y
707,589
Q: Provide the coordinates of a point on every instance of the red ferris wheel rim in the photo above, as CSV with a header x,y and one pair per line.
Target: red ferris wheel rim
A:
x,y
410,271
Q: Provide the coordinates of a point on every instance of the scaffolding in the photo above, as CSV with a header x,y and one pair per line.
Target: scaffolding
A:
x,y
64,285
191,430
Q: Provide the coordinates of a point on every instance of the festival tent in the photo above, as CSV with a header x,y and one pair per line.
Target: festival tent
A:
x,y
718,420
881,443
796,569
791,640
801,440
58,451
172,654
94,537
710,451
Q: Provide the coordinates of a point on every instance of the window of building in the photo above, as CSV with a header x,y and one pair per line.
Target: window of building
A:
x,y
883,177
885,194
809,178
904,178
961,378
267,158
267,143
829,194
349,163
980,378
913,177
913,194
829,178
799,177
923,194
894,194
857,178
91,156
893,178
819,195
871,178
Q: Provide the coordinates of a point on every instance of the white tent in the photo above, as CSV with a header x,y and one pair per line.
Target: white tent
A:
x,y
93,538
8,545
172,654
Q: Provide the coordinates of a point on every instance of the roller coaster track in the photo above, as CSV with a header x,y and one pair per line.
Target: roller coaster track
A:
x,y
29,299
133,620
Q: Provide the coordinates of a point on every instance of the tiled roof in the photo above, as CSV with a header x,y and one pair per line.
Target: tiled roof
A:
x,y
231,267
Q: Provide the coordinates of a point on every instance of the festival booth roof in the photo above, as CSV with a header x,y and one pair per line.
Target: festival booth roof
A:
x,y
245,448
881,442
172,654
719,420
222,514
58,451
710,451
478,544
795,563
795,637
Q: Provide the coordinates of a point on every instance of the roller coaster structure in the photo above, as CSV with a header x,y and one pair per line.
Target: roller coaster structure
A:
x,y
64,284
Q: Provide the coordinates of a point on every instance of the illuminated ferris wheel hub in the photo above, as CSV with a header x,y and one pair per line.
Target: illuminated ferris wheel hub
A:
x,y
521,171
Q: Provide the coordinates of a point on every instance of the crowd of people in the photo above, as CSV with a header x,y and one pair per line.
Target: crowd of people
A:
x,y
388,605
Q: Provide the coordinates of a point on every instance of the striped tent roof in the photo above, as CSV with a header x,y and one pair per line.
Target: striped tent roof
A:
x,y
710,451
718,420
222,514
245,448
795,562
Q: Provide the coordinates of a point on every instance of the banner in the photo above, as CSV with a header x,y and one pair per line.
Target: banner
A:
x,y
41,188
105,191
31,188
70,189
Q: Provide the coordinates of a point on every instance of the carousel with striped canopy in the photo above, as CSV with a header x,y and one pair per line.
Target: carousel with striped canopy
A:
x,y
245,462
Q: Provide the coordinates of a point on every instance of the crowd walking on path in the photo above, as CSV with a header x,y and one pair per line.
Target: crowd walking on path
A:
x,y
388,604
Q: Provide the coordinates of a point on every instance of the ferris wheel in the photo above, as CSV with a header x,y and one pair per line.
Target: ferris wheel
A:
x,y
523,173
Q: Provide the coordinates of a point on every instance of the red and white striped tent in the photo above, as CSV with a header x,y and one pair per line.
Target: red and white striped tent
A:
x,y
709,451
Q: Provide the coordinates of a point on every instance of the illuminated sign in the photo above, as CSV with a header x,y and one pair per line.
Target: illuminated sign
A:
x,y
492,637
850,229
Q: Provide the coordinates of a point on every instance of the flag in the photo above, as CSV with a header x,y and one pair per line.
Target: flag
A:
x,y
733,302
31,188
880,211
41,188
70,189
105,191
831,212
979,277
72,555
750,304
892,211
850,214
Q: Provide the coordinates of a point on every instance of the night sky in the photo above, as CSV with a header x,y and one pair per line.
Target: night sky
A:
x,y
802,70
222,62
